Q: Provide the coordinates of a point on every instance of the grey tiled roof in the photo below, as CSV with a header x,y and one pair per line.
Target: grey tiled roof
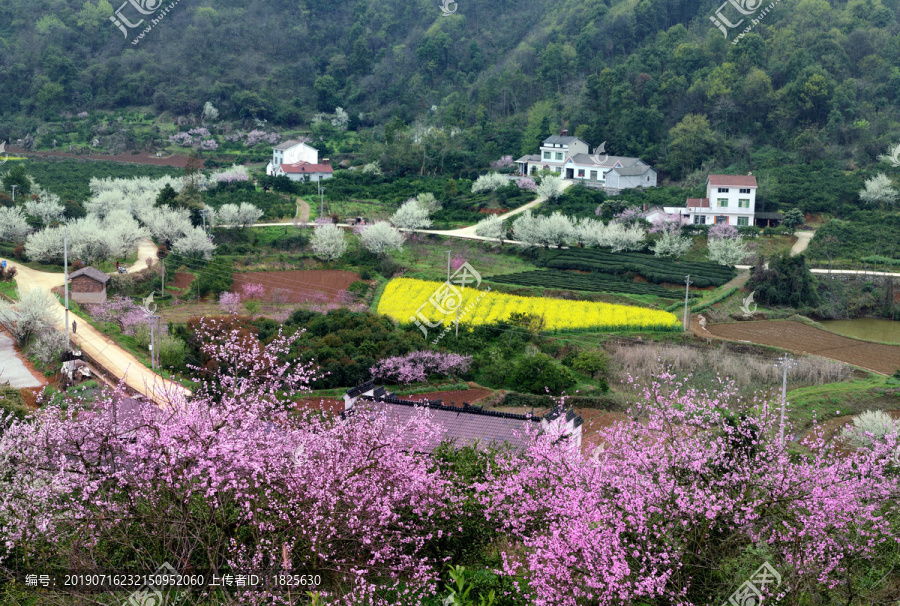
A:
x,y
91,272
611,161
286,145
631,171
560,140
463,427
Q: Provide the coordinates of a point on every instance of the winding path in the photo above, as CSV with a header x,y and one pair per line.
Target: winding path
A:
x,y
98,346
803,239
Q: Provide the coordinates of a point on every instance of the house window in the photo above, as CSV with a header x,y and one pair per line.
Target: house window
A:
x,y
723,202
743,221
745,190
593,175
699,219
723,190
721,219
559,156
548,156
581,172
745,203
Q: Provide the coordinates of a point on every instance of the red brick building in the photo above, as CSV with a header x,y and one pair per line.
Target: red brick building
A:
x,y
88,285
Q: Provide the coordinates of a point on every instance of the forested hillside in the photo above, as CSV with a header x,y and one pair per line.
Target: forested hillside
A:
x,y
814,81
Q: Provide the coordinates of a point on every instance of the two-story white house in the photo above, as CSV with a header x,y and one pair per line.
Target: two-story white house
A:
x,y
572,159
299,162
729,199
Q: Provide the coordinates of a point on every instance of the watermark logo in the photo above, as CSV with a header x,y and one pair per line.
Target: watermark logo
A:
x,y
152,593
3,151
745,8
143,8
149,306
896,458
448,299
750,593
893,156
745,306
299,455
445,7
598,151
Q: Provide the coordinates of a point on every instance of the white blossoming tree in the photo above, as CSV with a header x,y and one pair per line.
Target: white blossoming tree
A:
x,y
412,215
380,238
13,225
493,227
194,243
489,182
328,242
550,187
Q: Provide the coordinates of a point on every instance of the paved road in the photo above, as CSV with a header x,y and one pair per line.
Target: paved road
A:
x,y
104,350
12,369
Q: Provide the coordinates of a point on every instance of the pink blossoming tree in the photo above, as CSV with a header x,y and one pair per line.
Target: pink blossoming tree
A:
x,y
228,477
417,366
674,491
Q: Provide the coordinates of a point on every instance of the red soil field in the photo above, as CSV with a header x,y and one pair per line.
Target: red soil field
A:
x,y
801,338
299,286
183,280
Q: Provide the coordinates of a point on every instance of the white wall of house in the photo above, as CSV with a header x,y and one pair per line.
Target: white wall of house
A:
x,y
735,205
648,179
298,153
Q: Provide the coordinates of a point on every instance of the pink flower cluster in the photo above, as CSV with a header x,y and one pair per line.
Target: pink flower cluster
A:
x,y
209,145
723,230
668,223
503,162
253,290
629,216
679,485
230,302
298,492
122,311
457,261
231,175
183,139
255,137
200,132
527,183
417,366
81,115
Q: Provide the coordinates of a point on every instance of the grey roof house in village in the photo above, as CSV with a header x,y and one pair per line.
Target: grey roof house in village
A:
x,y
462,425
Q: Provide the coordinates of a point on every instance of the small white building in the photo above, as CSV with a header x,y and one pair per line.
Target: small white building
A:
x,y
299,162
730,199
571,157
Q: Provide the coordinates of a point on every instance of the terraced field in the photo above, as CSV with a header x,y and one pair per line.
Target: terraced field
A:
x,y
551,278
652,268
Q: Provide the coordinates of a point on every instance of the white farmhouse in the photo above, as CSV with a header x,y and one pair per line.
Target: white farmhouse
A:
x,y
729,199
299,162
571,157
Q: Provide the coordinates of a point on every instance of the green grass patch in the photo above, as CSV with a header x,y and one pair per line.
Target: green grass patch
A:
x,y
831,400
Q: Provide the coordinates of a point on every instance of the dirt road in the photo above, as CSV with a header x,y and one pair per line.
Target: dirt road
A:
x,y
98,346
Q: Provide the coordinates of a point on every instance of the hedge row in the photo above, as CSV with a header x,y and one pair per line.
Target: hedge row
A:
x,y
603,403
547,278
652,268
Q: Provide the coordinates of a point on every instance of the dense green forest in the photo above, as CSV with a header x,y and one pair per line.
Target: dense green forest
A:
x,y
814,82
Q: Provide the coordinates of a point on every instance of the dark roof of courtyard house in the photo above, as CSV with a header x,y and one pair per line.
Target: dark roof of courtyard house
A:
x,y
463,426
561,140
285,145
91,272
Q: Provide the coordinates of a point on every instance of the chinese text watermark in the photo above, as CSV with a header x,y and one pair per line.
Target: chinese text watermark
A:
x,y
144,8
448,299
754,591
743,7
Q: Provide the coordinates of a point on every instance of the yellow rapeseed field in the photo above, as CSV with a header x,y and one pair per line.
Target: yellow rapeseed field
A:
x,y
407,300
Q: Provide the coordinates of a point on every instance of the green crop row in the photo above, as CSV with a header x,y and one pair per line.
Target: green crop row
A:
x,y
585,282
652,268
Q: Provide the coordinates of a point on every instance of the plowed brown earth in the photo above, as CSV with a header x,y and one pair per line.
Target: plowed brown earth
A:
x,y
141,158
183,280
468,396
801,338
299,286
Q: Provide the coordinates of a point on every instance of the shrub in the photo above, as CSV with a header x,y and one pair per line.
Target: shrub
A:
x,y
538,373
869,427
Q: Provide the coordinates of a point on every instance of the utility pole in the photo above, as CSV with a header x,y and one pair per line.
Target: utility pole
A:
x,y
785,362
152,336
66,272
321,198
448,267
203,212
687,294
13,188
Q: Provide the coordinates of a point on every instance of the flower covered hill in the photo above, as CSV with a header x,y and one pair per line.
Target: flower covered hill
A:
x,y
404,298
691,492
